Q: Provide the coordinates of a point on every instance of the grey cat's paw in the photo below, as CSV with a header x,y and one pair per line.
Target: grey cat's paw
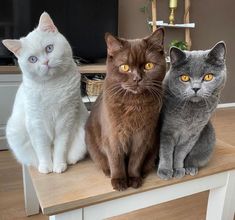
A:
x,y
192,171
165,174
179,173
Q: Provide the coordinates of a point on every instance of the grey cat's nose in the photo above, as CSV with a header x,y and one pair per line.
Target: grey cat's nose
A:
x,y
195,89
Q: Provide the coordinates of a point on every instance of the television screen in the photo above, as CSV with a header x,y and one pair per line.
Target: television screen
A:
x,y
82,22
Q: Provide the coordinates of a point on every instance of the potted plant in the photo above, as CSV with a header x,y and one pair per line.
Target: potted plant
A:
x,y
179,44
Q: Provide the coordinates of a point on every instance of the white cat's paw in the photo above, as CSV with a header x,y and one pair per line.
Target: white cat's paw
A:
x,y
59,167
45,168
72,159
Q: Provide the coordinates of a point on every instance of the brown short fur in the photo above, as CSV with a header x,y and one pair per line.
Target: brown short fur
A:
x,y
121,133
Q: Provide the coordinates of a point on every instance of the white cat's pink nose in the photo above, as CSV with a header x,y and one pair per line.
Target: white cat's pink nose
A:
x,y
46,62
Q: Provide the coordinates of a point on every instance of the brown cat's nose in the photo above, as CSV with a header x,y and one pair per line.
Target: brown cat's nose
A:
x,y
137,78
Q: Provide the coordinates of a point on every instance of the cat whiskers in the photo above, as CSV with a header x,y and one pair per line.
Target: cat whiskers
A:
x,y
116,90
180,105
156,94
208,102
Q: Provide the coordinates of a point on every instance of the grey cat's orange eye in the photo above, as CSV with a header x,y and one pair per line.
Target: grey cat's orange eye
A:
x,y
124,68
208,77
148,66
184,78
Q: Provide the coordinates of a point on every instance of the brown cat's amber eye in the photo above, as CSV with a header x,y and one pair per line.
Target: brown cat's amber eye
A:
x,y
124,68
208,77
185,78
148,66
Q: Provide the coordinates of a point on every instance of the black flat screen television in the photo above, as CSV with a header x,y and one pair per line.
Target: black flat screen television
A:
x,y
82,22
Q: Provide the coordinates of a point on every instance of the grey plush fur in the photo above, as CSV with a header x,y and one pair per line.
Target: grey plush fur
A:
x,y
187,135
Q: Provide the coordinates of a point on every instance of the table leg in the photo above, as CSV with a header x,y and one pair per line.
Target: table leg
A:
x,y
221,201
70,215
30,197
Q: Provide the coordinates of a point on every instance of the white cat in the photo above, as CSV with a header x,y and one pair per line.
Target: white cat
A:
x,y
46,128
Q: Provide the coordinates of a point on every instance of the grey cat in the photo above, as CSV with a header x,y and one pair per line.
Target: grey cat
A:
x,y
192,89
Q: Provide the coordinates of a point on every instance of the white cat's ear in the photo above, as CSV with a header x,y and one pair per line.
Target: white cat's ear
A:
x,y
13,45
157,37
46,24
113,44
217,53
177,56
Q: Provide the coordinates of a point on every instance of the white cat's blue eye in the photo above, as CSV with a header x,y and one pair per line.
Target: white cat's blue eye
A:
x,y
32,59
49,48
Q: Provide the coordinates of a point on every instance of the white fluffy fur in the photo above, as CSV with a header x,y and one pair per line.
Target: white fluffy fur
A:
x,y
46,128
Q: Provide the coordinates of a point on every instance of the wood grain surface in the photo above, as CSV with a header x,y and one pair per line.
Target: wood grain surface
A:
x,y
83,184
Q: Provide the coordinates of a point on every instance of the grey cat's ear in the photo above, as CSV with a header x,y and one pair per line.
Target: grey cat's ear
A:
x,y
177,56
46,24
13,45
217,53
113,44
157,37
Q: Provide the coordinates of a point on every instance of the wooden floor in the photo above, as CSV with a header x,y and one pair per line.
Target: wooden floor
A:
x,y
193,207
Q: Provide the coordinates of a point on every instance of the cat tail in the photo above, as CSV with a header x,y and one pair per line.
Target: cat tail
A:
x,y
78,149
17,135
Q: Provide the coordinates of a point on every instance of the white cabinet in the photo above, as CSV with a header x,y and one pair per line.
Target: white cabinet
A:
x,y
9,84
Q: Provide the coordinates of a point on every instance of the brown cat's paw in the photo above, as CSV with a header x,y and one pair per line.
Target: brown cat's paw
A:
x,y
119,184
135,182
107,172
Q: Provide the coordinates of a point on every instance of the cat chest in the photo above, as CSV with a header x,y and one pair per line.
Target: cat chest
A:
x,y
135,130
185,130
49,104
134,118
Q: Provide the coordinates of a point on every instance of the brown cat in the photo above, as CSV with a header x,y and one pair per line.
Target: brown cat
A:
x,y
121,133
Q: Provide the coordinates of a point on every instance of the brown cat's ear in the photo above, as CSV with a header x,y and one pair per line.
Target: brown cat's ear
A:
x,y
157,37
13,45
46,24
113,44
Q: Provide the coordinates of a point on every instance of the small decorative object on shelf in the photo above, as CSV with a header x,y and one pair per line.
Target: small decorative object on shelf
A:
x,y
186,24
172,6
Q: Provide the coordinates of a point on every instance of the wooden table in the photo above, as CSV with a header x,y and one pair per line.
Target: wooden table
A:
x,y
83,192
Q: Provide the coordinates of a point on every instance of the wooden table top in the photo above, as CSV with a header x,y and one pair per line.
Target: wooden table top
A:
x,y
83,184
89,68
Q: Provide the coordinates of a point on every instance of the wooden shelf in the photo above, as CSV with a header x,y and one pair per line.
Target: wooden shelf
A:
x,y
162,24
89,98
10,70
90,68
